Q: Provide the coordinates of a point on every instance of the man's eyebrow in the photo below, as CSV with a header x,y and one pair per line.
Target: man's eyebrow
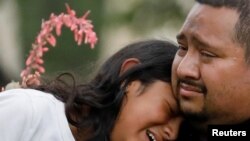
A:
x,y
196,39
201,42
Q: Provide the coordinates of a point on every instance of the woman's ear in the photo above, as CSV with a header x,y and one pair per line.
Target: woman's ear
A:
x,y
129,63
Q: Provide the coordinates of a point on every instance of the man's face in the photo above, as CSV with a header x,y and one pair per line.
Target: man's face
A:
x,y
210,75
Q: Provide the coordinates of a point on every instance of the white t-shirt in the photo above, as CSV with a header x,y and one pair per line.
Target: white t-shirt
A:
x,y
31,115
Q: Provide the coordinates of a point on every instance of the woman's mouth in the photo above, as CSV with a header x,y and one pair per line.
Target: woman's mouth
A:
x,y
150,136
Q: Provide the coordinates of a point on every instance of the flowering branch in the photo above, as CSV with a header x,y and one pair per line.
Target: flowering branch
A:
x,y
81,27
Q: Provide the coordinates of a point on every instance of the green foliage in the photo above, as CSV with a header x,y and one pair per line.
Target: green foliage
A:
x,y
149,14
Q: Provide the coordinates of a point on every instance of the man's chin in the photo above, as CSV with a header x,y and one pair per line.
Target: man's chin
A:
x,y
191,106
198,119
195,116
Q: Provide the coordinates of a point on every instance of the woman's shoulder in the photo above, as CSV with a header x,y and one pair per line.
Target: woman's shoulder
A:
x,y
32,113
19,91
26,101
22,96
23,109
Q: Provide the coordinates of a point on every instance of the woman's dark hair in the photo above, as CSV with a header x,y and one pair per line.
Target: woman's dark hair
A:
x,y
93,107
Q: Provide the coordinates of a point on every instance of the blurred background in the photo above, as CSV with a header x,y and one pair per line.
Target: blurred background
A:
x,y
117,23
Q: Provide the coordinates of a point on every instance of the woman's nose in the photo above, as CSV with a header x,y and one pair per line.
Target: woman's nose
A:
x,y
171,129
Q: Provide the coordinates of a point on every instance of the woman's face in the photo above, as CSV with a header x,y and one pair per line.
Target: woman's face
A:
x,y
147,114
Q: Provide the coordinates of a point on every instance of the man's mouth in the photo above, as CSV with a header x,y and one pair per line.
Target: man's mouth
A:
x,y
188,89
150,136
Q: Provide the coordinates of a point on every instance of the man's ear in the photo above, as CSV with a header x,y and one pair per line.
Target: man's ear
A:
x,y
129,63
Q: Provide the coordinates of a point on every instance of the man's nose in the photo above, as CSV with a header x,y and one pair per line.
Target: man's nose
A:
x,y
189,66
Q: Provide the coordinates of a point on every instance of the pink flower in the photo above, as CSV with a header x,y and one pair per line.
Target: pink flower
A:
x,y
51,39
81,27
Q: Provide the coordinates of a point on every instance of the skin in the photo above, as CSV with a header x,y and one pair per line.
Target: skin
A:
x,y
152,108
210,75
